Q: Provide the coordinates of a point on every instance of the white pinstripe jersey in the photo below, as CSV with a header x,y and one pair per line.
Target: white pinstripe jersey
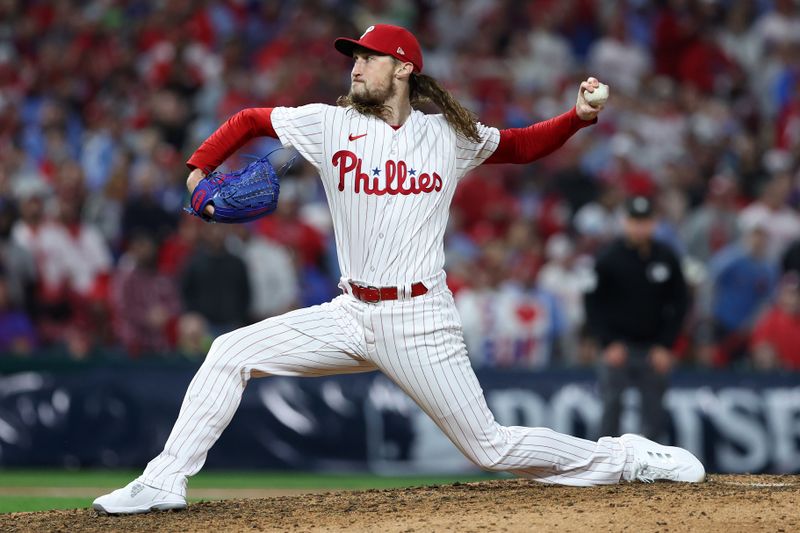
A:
x,y
389,190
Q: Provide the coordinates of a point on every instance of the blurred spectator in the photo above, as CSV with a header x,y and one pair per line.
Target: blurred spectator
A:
x,y
215,282
636,311
194,337
568,275
774,215
105,207
31,194
144,303
486,207
776,335
672,210
180,245
285,226
791,258
779,25
73,261
272,275
600,219
574,184
170,113
621,61
786,127
454,21
742,280
661,127
17,262
475,306
705,66
714,224
399,12
17,334
143,211
511,325
674,28
624,169
737,37
542,59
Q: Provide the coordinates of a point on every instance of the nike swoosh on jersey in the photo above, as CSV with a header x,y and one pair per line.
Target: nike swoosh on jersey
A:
x,y
354,137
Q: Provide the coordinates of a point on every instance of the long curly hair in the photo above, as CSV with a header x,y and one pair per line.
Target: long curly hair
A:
x,y
423,90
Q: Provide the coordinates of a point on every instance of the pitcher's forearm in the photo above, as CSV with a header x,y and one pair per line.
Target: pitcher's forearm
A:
x,y
232,135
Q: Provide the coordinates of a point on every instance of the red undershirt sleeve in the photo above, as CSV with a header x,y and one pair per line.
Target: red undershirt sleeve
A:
x,y
232,135
525,145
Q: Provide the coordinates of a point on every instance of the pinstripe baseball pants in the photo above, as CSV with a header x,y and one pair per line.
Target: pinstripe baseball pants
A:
x,y
418,344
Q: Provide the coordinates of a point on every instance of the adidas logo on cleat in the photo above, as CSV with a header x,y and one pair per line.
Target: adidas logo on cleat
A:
x,y
136,489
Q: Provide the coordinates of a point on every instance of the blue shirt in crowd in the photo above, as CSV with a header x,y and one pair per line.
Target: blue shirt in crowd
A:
x,y
742,285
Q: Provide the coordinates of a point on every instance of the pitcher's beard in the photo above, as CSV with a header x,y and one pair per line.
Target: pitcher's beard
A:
x,y
369,102
372,103
372,98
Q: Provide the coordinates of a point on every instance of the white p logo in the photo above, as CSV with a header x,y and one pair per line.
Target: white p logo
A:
x,y
368,30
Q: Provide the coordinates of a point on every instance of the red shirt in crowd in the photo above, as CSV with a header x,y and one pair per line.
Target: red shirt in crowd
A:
x,y
781,330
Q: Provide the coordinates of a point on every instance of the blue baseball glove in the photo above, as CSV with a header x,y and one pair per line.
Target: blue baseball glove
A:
x,y
239,196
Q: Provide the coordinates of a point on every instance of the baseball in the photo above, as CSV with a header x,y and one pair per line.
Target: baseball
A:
x,y
598,97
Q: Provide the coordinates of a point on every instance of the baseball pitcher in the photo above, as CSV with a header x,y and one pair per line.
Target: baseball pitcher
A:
x,y
389,172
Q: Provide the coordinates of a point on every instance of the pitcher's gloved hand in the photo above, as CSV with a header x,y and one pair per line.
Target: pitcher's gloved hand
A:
x,y
239,196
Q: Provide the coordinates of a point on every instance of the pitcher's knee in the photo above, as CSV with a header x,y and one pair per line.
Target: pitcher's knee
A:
x,y
241,349
218,352
218,343
492,452
492,462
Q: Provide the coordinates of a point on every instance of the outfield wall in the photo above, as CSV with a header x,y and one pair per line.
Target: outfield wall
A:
x,y
111,415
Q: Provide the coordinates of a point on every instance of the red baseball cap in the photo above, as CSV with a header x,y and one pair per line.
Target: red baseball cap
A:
x,y
387,39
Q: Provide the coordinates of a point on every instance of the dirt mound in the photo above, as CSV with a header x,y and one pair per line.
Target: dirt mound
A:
x,y
724,503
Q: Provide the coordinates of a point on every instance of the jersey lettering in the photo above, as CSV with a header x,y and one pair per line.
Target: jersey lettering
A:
x,y
381,241
398,178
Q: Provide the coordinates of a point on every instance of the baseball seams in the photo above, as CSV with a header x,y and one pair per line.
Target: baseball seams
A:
x,y
389,193
417,343
598,97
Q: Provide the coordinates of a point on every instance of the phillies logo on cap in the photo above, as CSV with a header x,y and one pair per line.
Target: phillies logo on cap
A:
x,y
388,40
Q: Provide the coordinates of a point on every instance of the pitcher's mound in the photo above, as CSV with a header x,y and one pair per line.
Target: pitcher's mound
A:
x,y
723,504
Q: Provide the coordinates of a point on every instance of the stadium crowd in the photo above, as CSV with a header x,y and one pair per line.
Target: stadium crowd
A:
x,y
101,102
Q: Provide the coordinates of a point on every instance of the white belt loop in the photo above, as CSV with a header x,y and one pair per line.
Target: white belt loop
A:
x,y
344,284
404,291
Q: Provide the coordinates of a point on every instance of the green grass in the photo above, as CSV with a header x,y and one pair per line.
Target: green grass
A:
x,y
267,480
103,479
18,504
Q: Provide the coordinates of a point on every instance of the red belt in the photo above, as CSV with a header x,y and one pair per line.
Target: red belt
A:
x,y
372,295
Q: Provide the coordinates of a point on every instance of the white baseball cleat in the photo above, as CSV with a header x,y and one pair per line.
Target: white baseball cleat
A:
x,y
653,461
135,498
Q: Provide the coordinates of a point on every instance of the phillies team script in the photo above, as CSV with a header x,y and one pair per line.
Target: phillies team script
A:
x,y
347,161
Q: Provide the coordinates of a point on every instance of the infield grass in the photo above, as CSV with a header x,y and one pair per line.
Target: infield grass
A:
x,y
37,490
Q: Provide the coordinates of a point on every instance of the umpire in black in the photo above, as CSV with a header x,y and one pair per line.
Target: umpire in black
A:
x,y
635,312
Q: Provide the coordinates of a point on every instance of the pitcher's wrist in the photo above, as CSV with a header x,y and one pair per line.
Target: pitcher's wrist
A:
x,y
195,176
